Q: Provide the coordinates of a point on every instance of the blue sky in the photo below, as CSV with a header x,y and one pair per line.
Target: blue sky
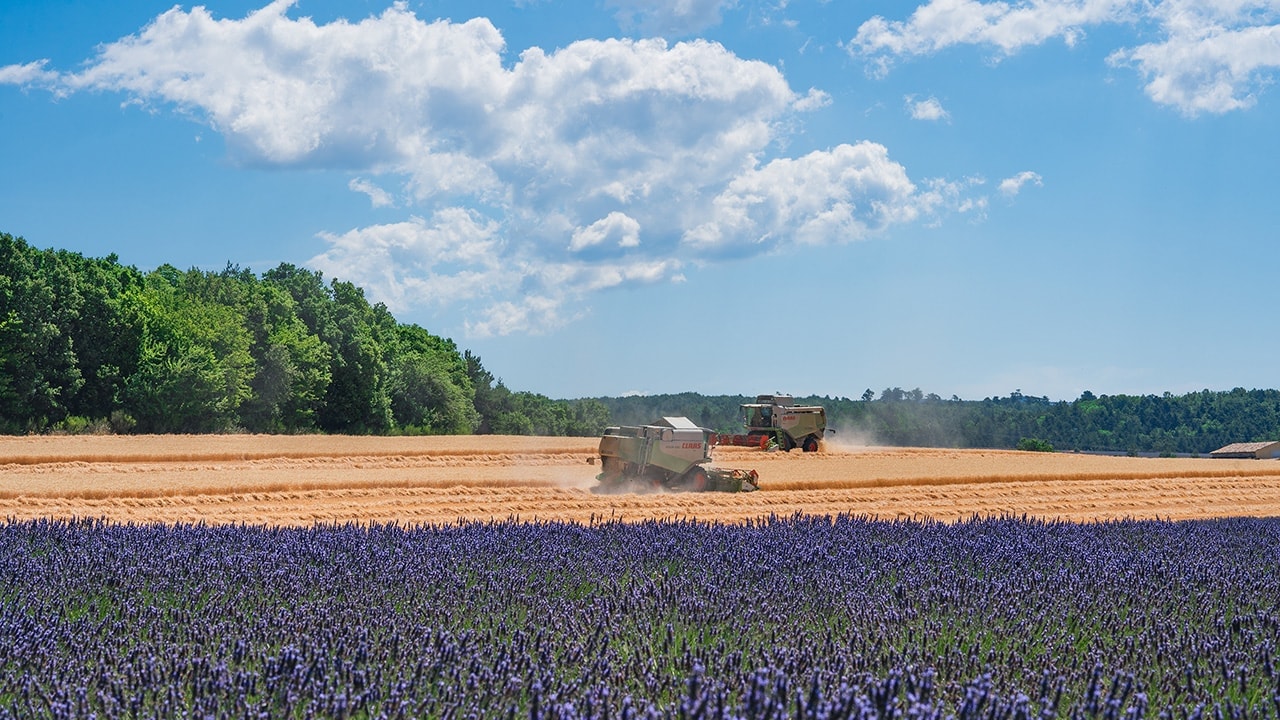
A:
x,y
655,196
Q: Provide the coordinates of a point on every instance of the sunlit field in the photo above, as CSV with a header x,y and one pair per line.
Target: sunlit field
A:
x,y
302,480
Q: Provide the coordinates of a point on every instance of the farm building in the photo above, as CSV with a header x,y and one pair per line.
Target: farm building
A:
x,y
1259,450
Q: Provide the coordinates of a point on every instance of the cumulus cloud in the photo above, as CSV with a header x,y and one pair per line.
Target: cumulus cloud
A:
x,y
1011,186
927,109
1210,56
617,228
453,256
1204,66
534,180
827,196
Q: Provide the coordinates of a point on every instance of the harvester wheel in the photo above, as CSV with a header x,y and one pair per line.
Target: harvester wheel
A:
x,y
811,444
697,480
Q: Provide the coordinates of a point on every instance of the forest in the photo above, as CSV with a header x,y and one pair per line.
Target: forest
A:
x,y
91,345
1192,424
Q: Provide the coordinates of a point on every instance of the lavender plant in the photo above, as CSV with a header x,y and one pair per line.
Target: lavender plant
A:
x,y
799,617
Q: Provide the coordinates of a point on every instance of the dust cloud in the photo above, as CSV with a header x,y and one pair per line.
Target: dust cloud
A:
x,y
849,439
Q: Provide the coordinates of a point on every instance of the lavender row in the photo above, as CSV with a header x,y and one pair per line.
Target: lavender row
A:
x,y
809,617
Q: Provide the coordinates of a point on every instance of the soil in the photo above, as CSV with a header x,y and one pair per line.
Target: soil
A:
x,y
304,480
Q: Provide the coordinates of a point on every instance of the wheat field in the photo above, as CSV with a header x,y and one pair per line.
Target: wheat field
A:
x,y
303,480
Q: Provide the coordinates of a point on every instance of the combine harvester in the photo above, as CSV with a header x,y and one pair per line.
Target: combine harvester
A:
x,y
670,454
776,421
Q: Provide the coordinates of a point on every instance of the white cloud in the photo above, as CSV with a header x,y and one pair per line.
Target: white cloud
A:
x,y
1207,68
458,256
813,100
1011,186
1211,56
617,227
377,196
831,196
32,73
961,196
535,182
546,289
939,24
927,109
533,314
454,256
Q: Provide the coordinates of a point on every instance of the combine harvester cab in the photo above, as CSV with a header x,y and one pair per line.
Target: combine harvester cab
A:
x,y
776,421
669,454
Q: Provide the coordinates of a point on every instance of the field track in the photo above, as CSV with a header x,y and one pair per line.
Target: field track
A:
x,y
302,480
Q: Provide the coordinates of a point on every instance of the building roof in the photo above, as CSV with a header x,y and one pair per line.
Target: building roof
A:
x,y
1249,447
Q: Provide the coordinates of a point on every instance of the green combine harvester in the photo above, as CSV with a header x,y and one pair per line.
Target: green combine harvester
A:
x,y
670,454
776,422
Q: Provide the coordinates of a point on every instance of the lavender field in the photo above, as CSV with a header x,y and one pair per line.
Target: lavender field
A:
x,y
800,617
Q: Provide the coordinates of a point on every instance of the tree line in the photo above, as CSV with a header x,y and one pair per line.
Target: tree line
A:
x,y
91,345
1193,423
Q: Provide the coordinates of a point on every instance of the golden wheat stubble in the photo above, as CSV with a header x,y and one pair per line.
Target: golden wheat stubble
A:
x,y
302,480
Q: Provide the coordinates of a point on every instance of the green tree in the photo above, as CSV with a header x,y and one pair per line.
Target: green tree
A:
x,y
512,423
546,416
590,417
106,343
492,400
194,367
430,376
357,400
39,301
292,364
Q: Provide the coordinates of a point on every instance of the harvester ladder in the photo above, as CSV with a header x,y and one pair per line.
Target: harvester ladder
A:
x,y
645,455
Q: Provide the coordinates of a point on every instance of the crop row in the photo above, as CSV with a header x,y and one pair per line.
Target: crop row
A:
x,y
800,617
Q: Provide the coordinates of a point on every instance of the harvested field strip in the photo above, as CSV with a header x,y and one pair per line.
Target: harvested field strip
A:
x,y
1091,500
853,483
40,459
273,488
